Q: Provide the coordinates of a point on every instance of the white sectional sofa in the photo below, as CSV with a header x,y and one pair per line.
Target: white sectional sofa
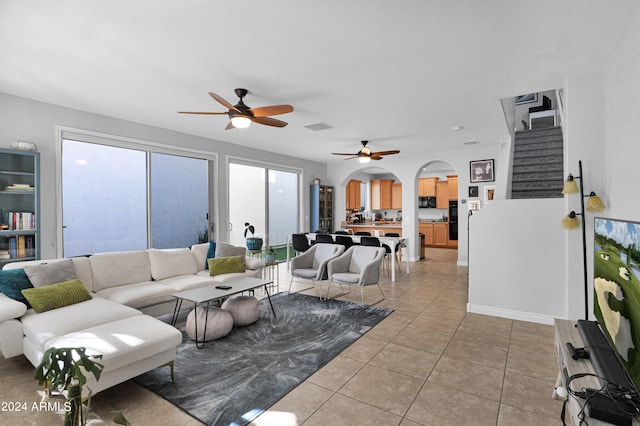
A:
x,y
127,290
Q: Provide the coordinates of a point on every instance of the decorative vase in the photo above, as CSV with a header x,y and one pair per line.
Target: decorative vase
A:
x,y
270,257
254,243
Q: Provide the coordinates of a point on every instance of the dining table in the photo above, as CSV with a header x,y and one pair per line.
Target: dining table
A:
x,y
392,242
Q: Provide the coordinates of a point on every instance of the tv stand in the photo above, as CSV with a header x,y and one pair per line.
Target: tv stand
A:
x,y
566,332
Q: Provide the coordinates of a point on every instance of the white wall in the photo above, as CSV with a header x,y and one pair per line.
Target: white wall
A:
x,y
32,121
544,277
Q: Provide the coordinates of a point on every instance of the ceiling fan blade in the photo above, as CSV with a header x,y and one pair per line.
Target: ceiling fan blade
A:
x,y
375,157
350,158
342,153
395,151
223,102
271,110
202,112
230,126
269,121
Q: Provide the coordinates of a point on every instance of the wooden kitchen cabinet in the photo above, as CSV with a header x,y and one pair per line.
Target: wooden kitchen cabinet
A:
x,y
381,194
442,194
396,196
353,194
453,187
427,187
427,230
440,234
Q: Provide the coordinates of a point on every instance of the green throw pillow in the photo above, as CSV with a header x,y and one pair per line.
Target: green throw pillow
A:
x,y
57,295
225,265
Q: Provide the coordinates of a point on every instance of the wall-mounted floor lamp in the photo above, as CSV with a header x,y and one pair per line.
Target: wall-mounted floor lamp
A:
x,y
571,221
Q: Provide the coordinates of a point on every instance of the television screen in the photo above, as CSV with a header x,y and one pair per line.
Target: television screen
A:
x,y
617,288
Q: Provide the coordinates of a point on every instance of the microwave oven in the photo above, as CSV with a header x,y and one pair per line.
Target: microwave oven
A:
x,y
427,202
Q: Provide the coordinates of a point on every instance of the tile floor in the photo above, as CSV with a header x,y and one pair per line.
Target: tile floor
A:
x,y
428,363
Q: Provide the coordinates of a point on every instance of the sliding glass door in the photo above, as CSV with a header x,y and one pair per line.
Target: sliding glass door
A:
x,y
267,198
118,199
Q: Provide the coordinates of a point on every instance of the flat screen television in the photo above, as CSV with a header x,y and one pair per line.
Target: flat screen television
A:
x,y
616,272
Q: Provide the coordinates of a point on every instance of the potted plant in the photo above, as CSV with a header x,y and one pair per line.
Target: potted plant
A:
x,y
270,255
62,369
253,243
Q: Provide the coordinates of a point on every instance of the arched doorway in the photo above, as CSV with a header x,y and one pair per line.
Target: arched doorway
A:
x,y
373,195
437,209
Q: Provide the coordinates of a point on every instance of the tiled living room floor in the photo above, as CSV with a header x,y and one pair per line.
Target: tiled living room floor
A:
x,y
428,363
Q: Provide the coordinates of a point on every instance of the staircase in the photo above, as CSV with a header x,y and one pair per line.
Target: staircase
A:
x,y
538,164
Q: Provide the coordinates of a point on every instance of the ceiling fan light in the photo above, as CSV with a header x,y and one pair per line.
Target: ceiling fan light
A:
x,y
363,159
241,122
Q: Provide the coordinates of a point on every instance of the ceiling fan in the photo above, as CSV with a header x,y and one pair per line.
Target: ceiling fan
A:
x,y
241,115
365,154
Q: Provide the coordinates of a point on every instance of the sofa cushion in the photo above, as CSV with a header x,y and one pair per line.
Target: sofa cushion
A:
x,y
50,273
81,264
167,263
122,342
10,309
138,295
39,328
12,282
199,252
187,282
225,250
119,268
211,252
56,295
225,265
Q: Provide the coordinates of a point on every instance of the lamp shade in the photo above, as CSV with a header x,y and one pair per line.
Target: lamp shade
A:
x,y
240,122
571,221
570,186
594,203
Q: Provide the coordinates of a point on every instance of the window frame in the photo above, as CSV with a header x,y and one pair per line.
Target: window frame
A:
x,y
88,136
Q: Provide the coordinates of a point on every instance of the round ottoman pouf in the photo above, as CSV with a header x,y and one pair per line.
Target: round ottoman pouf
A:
x,y
219,324
243,309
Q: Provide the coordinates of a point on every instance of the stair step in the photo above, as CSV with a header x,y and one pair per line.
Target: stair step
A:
x,y
519,195
540,145
536,133
538,168
537,159
555,180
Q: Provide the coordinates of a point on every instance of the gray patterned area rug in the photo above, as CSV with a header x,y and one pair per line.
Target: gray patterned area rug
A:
x,y
234,379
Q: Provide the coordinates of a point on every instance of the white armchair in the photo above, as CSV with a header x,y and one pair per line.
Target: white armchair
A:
x,y
358,266
312,264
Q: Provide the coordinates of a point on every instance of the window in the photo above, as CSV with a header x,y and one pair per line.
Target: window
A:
x,y
117,198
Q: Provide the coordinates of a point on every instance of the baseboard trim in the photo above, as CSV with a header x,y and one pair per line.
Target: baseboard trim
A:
x,y
511,314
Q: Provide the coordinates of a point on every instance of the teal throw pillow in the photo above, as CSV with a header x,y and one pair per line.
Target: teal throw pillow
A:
x,y
211,253
225,265
12,282
57,295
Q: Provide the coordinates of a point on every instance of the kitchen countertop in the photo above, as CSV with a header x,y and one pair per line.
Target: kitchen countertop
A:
x,y
375,225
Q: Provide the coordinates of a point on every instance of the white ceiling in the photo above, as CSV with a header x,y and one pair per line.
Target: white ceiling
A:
x,y
400,74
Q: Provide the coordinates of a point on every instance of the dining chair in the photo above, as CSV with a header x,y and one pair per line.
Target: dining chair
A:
x,y
324,238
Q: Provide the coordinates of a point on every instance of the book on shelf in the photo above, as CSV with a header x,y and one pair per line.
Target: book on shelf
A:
x,y
19,187
20,246
20,221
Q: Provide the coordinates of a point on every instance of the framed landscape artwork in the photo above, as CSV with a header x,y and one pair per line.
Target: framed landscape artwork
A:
x,y
526,99
481,171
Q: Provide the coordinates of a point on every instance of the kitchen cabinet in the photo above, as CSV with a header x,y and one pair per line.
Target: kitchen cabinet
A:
x,y
427,230
440,234
381,194
453,187
427,187
353,194
442,194
436,234
396,196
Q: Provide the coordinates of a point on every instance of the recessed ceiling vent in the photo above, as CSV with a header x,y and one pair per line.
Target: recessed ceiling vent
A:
x,y
318,126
